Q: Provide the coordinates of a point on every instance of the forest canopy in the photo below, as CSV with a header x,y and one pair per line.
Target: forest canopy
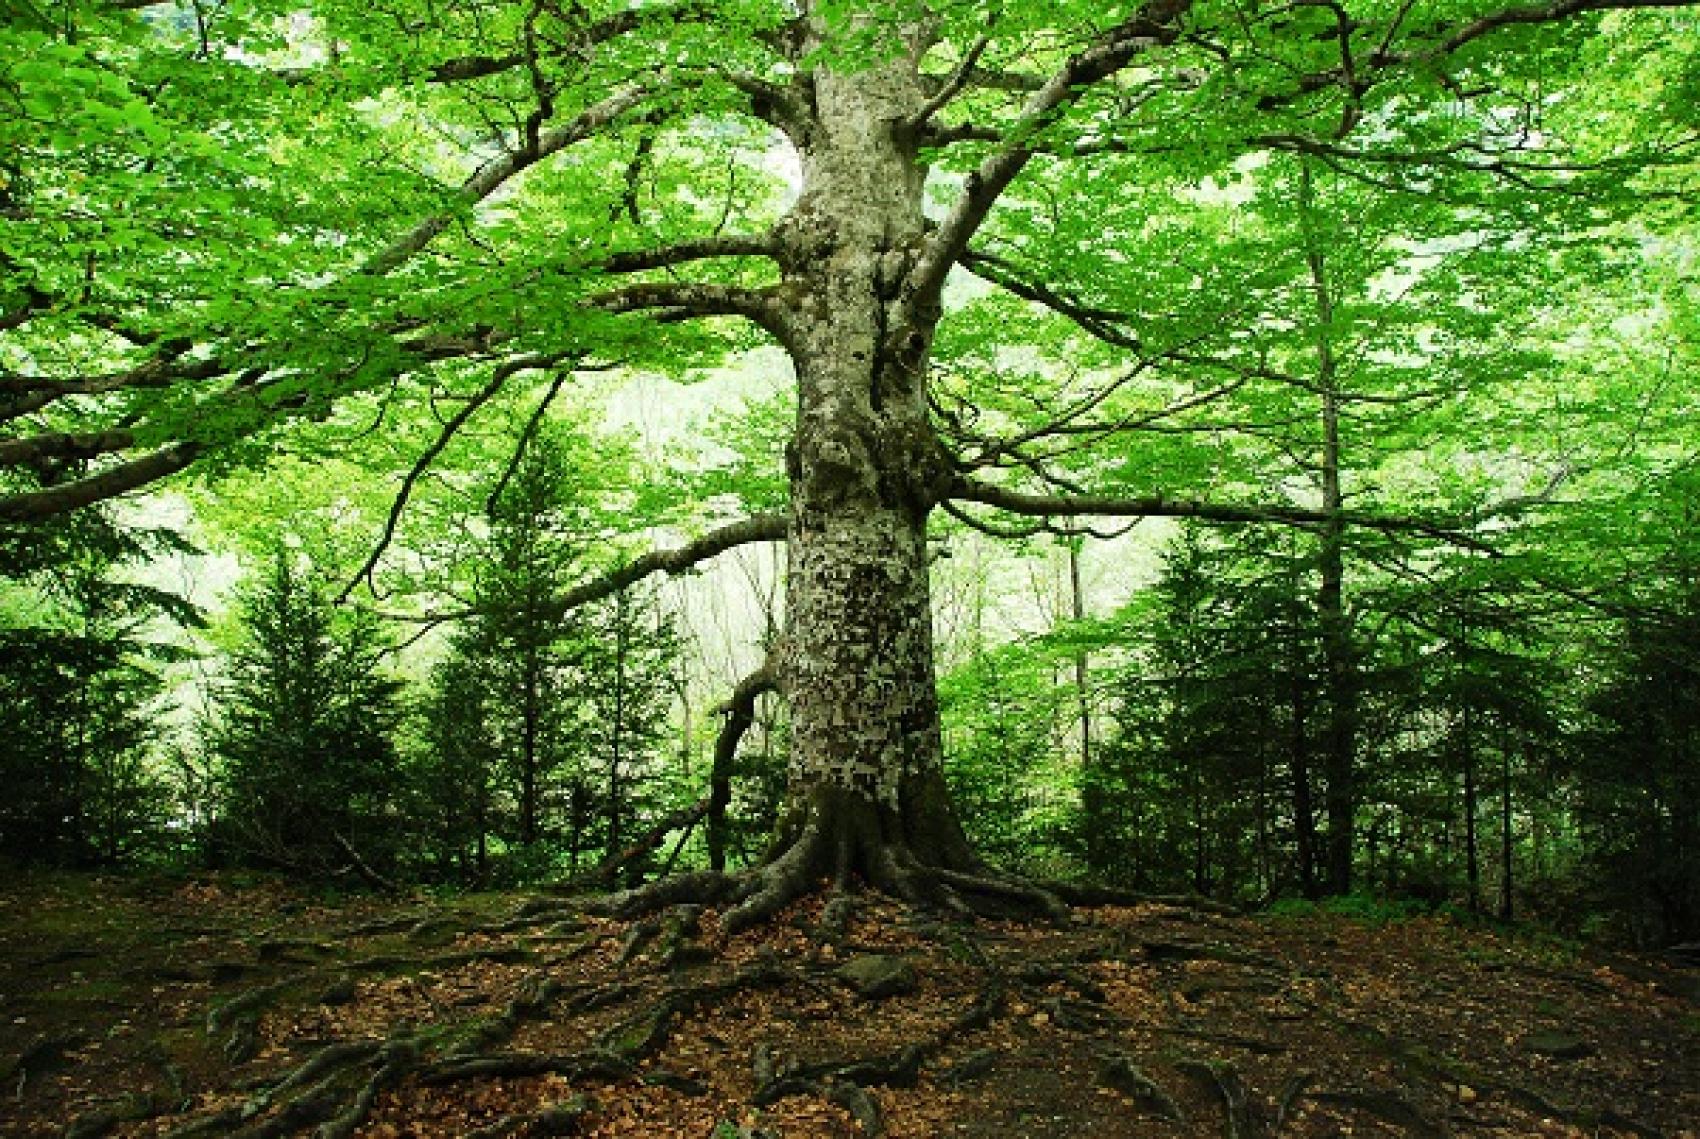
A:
x,y
1390,306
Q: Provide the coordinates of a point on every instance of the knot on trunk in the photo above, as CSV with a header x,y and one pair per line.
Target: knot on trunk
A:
x,y
838,468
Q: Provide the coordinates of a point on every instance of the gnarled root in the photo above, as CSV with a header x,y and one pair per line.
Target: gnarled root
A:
x,y
758,894
837,836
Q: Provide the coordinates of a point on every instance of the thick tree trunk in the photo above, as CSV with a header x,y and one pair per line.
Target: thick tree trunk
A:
x,y
866,796
862,269
866,777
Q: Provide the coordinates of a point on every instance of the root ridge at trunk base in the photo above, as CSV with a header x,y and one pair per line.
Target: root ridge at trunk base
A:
x,y
962,891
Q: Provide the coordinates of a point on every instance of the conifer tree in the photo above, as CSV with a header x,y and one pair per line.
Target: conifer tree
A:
x,y
304,734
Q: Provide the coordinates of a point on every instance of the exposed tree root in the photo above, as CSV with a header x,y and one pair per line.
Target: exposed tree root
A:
x,y
1244,1120
1085,894
841,1081
817,856
1252,1044
313,1092
646,1033
597,1065
708,887
558,1119
1292,1092
1577,1117
1386,1106
227,1014
1118,1071
326,1089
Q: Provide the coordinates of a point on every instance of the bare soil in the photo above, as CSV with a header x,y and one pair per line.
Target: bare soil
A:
x,y
225,1006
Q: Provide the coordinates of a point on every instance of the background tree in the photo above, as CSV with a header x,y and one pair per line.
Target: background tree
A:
x,y
455,776
82,691
624,694
304,732
518,641
1639,787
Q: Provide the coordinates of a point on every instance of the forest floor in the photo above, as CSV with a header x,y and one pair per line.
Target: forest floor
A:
x,y
213,1006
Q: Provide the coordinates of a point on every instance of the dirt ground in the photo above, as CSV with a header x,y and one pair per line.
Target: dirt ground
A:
x,y
218,1006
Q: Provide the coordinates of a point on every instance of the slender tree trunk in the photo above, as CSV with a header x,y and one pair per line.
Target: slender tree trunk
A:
x,y
1304,800
531,713
1200,834
1265,798
1506,882
1472,852
1339,757
617,727
1077,596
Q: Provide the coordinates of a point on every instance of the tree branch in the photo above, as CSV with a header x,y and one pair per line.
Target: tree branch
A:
x,y
683,252
493,174
740,712
691,299
580,42
470,408
1534,14
759,528
526,435
951,87
1157,22
1099,323
32,506
29,394
1040,505
63,445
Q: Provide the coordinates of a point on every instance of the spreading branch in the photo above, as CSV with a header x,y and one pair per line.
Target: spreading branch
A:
x,y
579,42
1158,506
684,252
22,395
36,449
494,174
1531,14
32,506
953,86
1156,23
685,299
1100,323
758,528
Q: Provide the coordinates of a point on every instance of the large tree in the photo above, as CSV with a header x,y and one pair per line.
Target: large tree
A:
x,y
220,219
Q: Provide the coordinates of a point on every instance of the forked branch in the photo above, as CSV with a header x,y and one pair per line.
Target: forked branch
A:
x,y
494,174
1107,325
498,379
1157,22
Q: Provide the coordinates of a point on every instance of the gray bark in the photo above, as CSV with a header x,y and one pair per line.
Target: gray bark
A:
x,y
856,664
